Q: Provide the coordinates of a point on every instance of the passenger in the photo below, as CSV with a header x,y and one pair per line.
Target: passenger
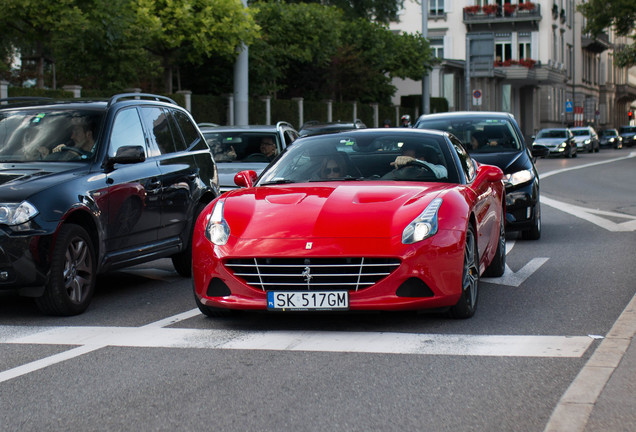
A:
x,y
333,167
478,140
222,152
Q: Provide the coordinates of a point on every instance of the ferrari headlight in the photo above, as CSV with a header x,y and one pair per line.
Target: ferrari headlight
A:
x,y
424,226
17,213
518,177
217,230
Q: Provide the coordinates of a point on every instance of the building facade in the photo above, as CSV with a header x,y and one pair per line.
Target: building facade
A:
x,y
531,59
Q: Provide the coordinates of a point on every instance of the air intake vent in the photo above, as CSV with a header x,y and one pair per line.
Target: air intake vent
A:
x,y
293,274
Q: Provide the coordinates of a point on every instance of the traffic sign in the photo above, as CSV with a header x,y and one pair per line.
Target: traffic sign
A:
x,y
569,107
476,97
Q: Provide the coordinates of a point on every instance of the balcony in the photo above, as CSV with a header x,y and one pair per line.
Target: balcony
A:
x,y
525,14
596,44
530,72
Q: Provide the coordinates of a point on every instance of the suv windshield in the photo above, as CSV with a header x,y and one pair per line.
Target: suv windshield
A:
x,y
483,135
48,135
625,129
580,132
552,133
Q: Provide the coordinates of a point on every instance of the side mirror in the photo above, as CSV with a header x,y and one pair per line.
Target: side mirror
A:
x,y
540,151
493,173
245,178
129,155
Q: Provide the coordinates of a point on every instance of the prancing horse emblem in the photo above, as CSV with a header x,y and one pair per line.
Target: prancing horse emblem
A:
x,y
307,274
309,245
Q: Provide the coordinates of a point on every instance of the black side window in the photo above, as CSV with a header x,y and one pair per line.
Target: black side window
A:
x,y
467,164
127,131
188,129
157,122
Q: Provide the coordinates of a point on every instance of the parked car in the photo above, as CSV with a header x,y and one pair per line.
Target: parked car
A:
x,y
343,223
238,148
495,138
93,186
559,141
610,138
628,135
315,127
586,139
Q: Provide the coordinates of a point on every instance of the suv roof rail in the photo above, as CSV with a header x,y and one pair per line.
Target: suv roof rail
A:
x,y
149,96
18,99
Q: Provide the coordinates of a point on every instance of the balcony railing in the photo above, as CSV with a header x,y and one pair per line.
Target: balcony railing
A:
x,y
489,14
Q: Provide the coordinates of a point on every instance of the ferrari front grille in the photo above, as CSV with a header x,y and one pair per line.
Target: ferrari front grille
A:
x,y
293,274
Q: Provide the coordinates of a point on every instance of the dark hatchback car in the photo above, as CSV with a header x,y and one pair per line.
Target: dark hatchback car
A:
x,y
87,187
494,138
628,135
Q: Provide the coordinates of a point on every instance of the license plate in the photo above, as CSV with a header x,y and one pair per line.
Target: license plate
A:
x,y
307,300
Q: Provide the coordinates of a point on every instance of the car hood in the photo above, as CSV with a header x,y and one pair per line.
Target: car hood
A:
x,y
508,162
581,138
378,209
20,181
227,171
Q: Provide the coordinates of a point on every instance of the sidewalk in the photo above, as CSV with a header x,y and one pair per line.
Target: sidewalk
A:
x,y
603,395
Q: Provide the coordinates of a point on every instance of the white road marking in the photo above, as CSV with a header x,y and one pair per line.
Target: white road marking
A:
x,y
515,279
323,341
592,215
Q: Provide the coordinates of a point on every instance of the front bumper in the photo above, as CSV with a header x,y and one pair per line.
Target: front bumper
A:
x,y
24,262
521,206
436,262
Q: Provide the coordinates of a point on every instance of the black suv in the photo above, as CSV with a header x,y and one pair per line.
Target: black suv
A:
x,y
90,186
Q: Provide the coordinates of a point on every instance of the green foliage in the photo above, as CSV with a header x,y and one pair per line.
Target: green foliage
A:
x,y
36,92
382,11
619,15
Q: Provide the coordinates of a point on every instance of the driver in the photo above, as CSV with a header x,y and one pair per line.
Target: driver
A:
x,y
268,147
413,154
82,137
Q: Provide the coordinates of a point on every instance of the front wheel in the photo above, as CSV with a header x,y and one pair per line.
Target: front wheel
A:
x,y
498,265
534,233
72,277
467,303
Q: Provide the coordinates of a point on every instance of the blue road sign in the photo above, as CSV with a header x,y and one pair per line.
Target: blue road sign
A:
x,y
569,107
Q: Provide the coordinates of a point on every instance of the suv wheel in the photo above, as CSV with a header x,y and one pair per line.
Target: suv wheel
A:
x,y
71,282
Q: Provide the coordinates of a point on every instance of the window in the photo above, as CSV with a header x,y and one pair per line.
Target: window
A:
x,y
156,121
188,130
436,7
127,131
437,46
503,51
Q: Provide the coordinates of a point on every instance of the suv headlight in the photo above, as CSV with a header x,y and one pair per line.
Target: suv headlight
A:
x,y
518,177
17,213
217,230
423,226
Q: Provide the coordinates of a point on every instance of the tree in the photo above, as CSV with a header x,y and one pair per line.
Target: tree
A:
x,y
381,11
177,31
35,26
619,15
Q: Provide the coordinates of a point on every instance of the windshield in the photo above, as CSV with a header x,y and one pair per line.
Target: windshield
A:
x,y
628,129
481,134
552,133
237,146
609,132
580,132
367,157
48,135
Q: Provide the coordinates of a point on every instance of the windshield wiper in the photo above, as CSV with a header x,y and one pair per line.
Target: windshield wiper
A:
x,y
277,181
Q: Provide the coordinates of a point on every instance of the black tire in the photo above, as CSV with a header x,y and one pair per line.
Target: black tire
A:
x,y
467,303
73,273
534,233
182,261
213,312
498,265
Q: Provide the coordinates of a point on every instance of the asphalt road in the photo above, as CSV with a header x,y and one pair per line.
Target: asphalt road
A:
x,y
142,359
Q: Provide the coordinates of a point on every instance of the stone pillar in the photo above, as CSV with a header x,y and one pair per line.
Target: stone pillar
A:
x,y
75,89
4,90
301,114
329,110
230,109
133,90
355,111
187,94
268,109
376,114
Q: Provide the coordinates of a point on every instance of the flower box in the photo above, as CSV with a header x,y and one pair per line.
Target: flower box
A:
x,y
490,9
472,9
527,6
509,8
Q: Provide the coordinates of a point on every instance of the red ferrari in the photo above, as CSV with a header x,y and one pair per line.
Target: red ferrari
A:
x,y
371,219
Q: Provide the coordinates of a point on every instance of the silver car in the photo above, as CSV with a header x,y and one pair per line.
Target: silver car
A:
x,y
586,139
559,141
252,147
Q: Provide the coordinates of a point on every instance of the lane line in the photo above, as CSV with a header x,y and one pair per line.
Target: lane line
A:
x,y
559,171
70,354
323,341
